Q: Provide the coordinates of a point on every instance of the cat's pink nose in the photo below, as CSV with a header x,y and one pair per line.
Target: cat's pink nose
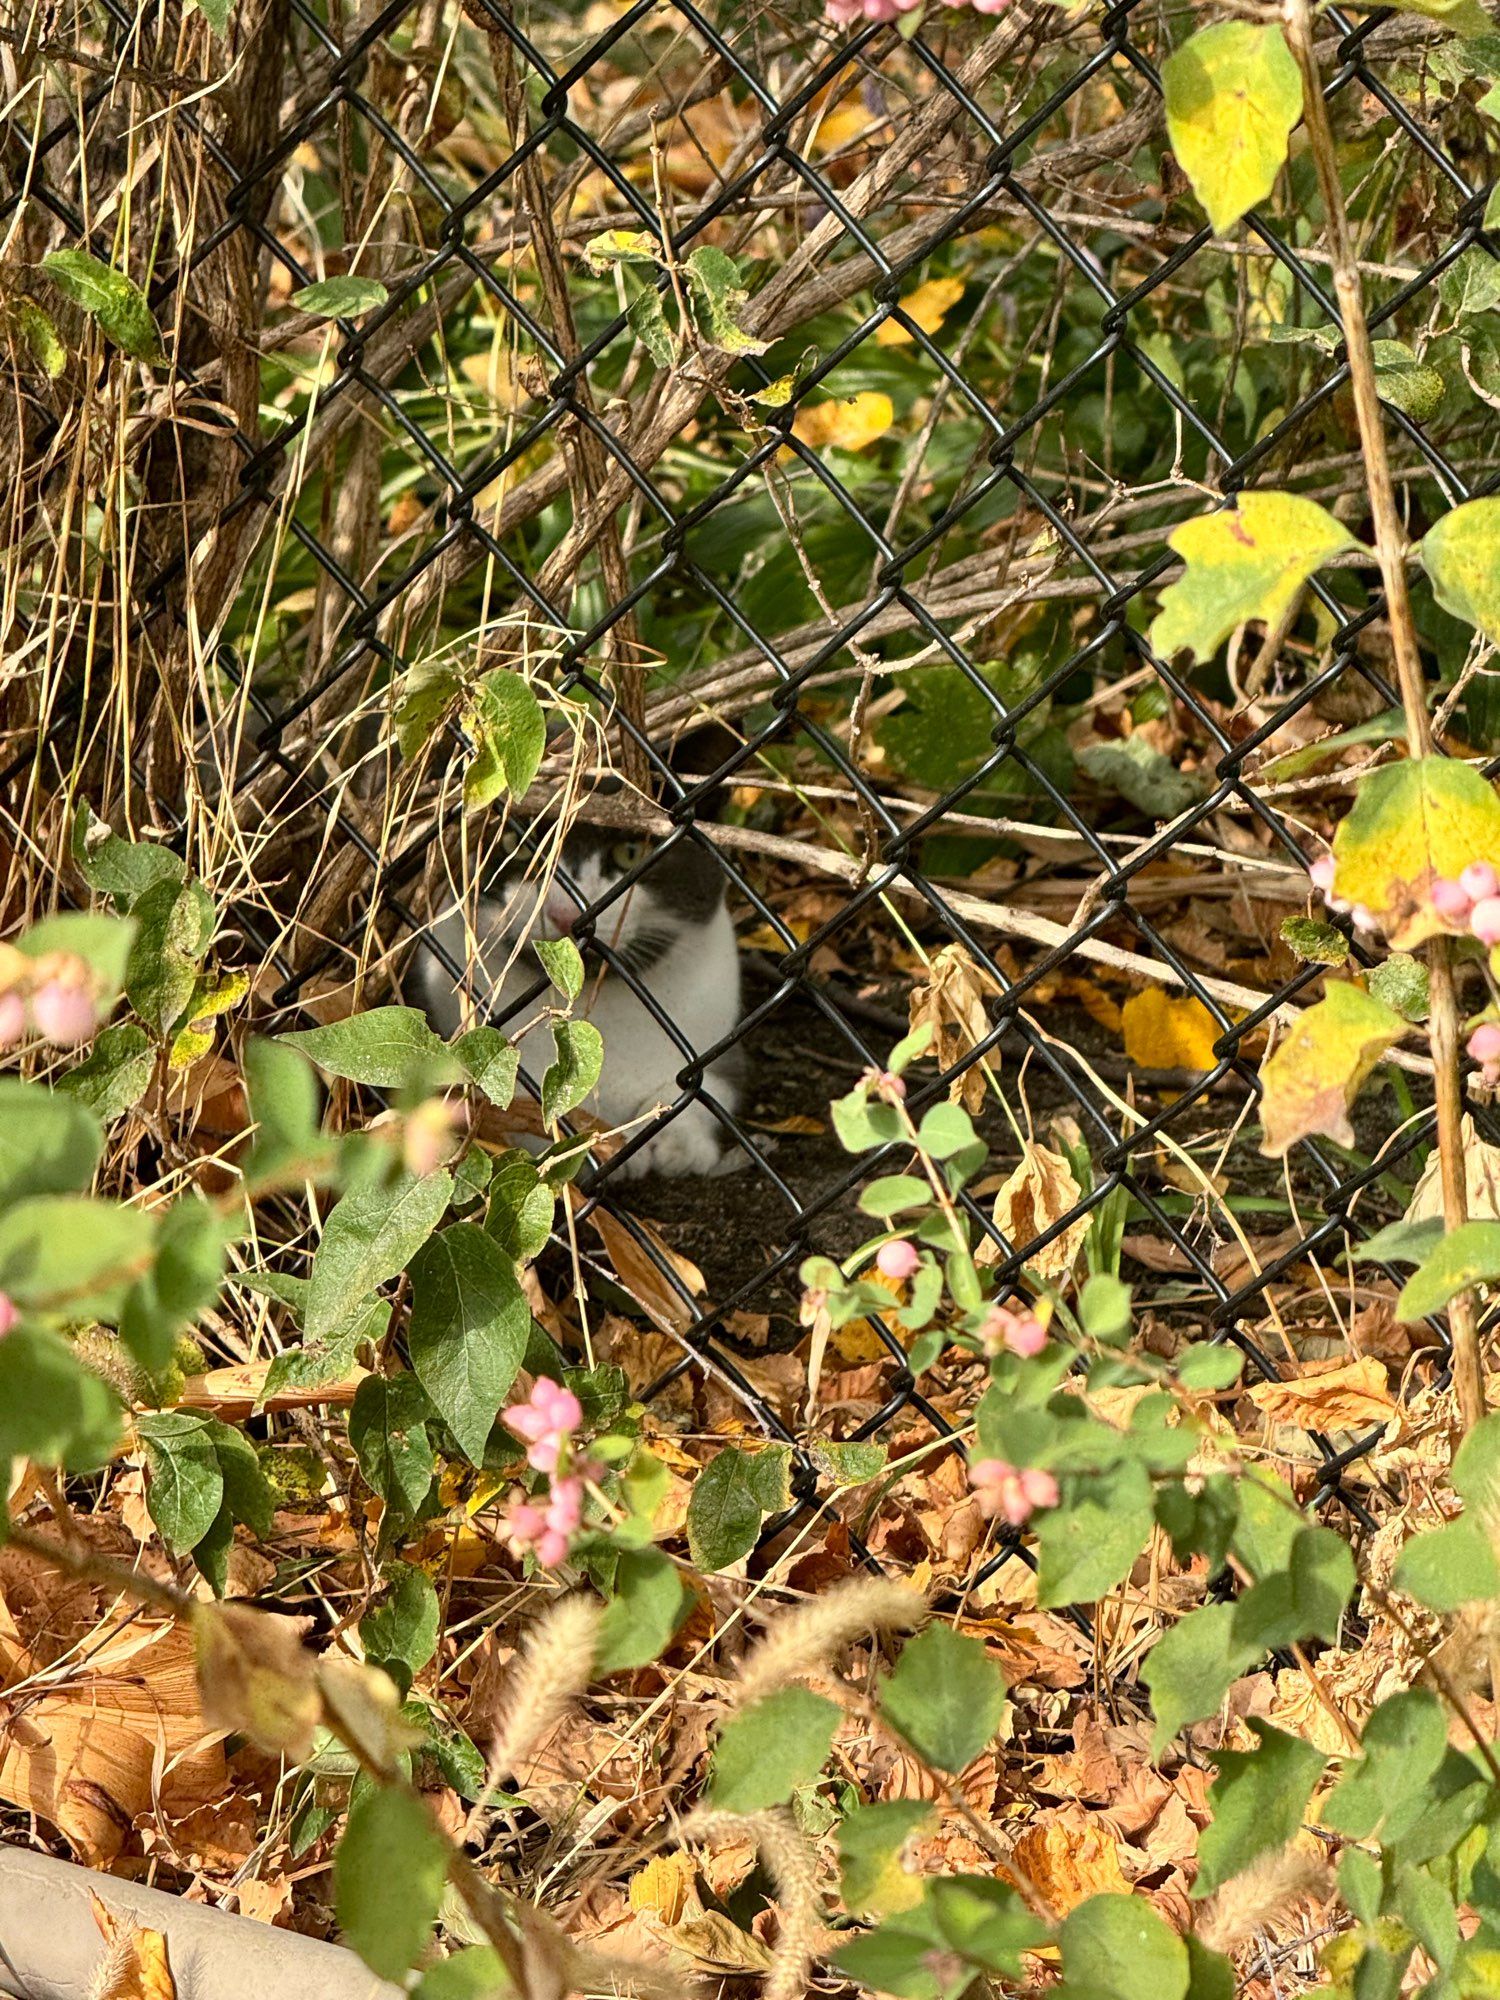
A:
x,y
561,911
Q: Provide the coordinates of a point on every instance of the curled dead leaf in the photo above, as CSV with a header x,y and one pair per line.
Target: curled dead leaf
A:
x,y
950,1000
1069,1857
1038,1194
1329,1399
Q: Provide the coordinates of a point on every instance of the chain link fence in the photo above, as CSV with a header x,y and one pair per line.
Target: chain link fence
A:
x,y
484,466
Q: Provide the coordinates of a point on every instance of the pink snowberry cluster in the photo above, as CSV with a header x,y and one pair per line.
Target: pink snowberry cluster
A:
x,y
547,1420
843,12
1003,1330
1359,914
885,1084
1484,1047
56,995
10,1312
1009,1493
898,1259
1471,901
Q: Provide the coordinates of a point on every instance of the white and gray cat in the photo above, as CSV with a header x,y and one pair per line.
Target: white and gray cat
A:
x,y
670,930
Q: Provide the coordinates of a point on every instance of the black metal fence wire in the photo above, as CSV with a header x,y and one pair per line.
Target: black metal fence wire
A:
x,y
664,558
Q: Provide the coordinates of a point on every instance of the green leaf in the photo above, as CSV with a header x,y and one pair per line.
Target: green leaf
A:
x,y
1244,562
871,1842
388,1878
851,1464
519,1216
945,1695
1269,1522
1212,1976
714,280
215,12
1310,1082
247,1491
42,339
49,1143
388,1434
473,1974
1303,1600
52,1408
621,246
563,964
945,1129
986,1921
115,1074
284,1104
1088,1542
186,1487
490,1062
123,869
1207,1367
183,1282
647,319
767,1750
391,1048
1314,942
892,1194
1476,1465
1400,982
1404,1741
1145,777
175,926
1466,1256
646,1605
1461,17
68,1253
1191,1669
340,298
371,1235
574,1069
1118,1948
399,1632
509,732
1411,822
907,1955
732,1495
468,1330
862,1121
1450,1567
1399,1243
1257,1800
1233,94
118,307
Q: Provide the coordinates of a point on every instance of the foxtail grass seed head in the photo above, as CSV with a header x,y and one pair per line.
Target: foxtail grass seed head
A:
x,y
800,1641
1261,1893
793,1869
554,1670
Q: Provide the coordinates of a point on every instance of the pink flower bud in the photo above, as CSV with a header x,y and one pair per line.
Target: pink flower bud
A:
x,y
1479,881
1451,900
565,1508
12,1019
1010,1494
1019,1333
10,1312
1321,872
1484,920
525,1524
564,1411
898,1258
1364,918
64,1012
1484,1043
1040,1489
552,1549
544,1454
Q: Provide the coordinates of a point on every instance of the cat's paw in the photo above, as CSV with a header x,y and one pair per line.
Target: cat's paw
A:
x,y
691,1146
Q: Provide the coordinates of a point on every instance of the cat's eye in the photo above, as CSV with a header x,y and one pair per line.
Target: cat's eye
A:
x,y
626,853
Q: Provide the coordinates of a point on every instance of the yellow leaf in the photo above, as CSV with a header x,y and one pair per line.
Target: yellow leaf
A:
x,y
1069,1858
1413,823
929,305
1168,1031
663,1887
1314,1076
850,423
1339,1399
135,1964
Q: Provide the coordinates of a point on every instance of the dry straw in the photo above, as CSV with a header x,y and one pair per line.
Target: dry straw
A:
x,y
801,1641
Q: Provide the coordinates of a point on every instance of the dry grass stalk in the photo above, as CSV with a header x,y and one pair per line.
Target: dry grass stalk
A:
x,y
794,1873
800,1641
1260,1894
551,1673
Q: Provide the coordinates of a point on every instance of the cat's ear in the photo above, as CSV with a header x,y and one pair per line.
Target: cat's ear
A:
x,y
707,749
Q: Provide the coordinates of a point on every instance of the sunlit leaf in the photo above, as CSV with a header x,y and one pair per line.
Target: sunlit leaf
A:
x,y
1233,94
340,298
1413,822
1247,561
1315,1074
851,422
928,306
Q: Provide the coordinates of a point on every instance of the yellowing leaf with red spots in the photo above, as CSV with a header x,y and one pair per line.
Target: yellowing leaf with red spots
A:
x,y
1168,1031
849,422
1315,1074
929,305
1244,562
1413,822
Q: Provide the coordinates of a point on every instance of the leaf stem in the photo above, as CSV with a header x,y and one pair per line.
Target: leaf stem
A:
x,y
1390,549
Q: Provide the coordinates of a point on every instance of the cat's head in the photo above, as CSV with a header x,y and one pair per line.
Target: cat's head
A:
x,y
637,895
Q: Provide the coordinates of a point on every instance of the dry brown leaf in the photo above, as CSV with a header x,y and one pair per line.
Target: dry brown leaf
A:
x,y
1069,1857
1482,1171
113,1738
134,1966
267,1902
716,1944
949,997
1329,1399
1039,1193
258,1678
638,1266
